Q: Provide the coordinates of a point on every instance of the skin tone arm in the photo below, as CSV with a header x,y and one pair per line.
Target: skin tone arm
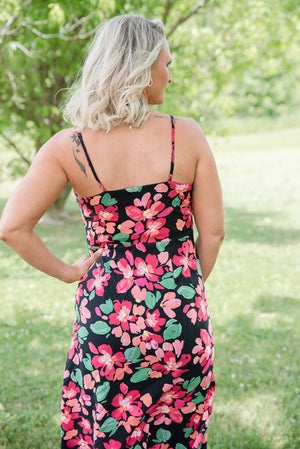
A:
x,y
207,205
39,189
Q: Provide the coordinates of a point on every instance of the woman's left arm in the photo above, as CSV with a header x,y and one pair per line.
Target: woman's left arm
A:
x,y
38,190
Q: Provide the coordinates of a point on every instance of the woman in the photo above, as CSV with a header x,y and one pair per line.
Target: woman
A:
x,y
139,369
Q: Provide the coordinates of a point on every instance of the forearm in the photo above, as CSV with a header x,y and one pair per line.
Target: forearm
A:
x,y
207,249
34,251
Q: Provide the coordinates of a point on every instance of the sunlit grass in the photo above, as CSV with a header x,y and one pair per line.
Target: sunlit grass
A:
x,y
253,295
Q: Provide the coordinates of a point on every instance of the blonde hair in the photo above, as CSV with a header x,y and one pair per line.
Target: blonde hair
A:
x,y
117,69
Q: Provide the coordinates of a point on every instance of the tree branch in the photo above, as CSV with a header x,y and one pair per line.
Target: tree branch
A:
x,y
62,34
14,146
15,97
168,7
182,19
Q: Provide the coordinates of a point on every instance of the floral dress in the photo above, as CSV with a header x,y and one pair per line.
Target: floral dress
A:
x,y
139,372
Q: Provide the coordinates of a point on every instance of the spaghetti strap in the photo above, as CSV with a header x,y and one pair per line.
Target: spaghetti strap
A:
x,y
173,147
89,160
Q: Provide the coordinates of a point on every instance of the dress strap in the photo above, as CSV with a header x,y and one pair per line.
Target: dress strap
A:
x,y
173,147
89,160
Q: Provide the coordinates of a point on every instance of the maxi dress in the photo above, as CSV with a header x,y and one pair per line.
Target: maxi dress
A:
x,y
139,372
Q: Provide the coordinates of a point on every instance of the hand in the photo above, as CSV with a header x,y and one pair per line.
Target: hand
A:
x,y
81,266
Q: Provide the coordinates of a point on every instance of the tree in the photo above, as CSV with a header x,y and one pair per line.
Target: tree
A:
x,y
42,45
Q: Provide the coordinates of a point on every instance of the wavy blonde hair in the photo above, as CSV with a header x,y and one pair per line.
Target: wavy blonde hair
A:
x,y
108,91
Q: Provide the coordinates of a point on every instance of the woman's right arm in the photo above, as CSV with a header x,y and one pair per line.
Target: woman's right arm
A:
x,y
207,204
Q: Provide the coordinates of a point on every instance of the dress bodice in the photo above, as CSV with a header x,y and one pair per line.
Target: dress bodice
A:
x,y
145,214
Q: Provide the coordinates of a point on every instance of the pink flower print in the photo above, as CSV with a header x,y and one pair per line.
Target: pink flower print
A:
x,y
137,434
153,320
209,399
106,360
70,391
74,343
85,314
86,426
155,231
174,393
150,211
139,294
201,304
186,259
206,381
125,267
161,187
178,189
122,314
172,365
169,303
81,442
67,419
112,444
204,349
99,281
126,402
106,214
148,271
126,227
164,413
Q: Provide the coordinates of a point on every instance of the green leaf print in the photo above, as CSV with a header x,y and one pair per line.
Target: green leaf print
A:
x,y
107,200
176,202
100,328
140,375
132,354
187,432
109,425
87,361
198,398
186,291
177,272
82,334
150,300
172,332
92,295
169,283
76,376
107,307
162,435
161,246
194,382
121,237
107,266
102,391
134,189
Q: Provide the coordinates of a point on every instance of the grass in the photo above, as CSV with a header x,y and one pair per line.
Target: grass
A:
x,y
253,295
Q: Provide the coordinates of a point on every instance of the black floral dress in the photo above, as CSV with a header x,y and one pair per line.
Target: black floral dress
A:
x,y
139,372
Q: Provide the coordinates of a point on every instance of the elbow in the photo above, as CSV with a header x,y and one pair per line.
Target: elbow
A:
x,y
6,234
221,235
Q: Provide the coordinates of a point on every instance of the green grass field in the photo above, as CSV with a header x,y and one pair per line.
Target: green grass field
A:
x,y
253,295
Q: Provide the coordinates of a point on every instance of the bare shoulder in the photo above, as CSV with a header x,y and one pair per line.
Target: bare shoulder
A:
x,y
60,142
191,134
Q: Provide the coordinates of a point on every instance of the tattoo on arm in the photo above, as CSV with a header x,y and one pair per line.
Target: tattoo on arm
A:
x,y
76,150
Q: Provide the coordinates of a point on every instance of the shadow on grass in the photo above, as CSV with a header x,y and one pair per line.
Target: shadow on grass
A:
x,y
255,227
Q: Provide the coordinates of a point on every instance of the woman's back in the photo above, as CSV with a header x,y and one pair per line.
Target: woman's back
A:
x,y
129,157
